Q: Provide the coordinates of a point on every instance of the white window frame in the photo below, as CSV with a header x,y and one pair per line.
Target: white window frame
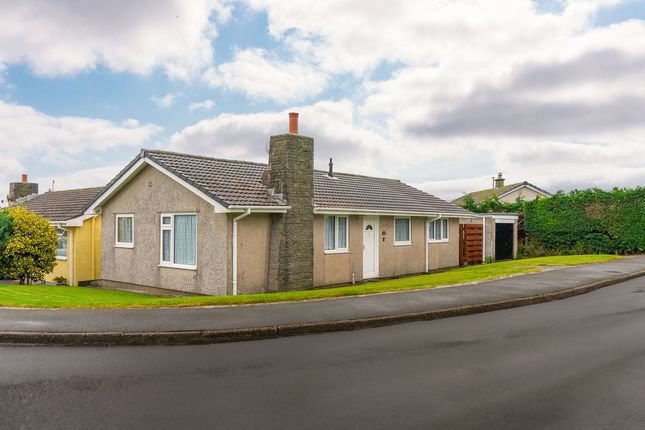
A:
x,y
336,249
118,244
403,242
60,232
171,227
440,221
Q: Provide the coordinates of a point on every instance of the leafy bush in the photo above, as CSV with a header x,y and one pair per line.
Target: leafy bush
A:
x,y
587,221
493,204
60,280
30,252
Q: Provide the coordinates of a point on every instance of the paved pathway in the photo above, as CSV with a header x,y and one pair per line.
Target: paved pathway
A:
x,y
319,311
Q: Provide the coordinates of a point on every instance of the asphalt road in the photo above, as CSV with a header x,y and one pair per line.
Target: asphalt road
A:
x,y
577,363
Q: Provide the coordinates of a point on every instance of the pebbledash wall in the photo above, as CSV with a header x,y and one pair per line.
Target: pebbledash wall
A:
x,y
394,260
148,195
151,193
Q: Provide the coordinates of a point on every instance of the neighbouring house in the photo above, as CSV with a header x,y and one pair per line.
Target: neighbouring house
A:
x,y
19,191
501,229
212,226
505,193
78,257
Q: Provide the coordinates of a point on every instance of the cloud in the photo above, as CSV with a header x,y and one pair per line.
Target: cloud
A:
x,y
262,76
203,105
31,138
61,38
167,100
332,124
83,178
449,93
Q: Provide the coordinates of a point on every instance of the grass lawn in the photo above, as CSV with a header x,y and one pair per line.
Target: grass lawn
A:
x,y
38,296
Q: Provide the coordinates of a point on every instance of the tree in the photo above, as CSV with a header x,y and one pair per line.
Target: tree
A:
x,y
6,227
30,252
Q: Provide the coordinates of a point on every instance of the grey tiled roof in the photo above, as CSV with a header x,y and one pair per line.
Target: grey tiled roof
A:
x,y
230,182
62,205
348,191
238,183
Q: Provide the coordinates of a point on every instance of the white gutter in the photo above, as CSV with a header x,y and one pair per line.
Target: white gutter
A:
x,y
332,211
428,221
264,209
235,220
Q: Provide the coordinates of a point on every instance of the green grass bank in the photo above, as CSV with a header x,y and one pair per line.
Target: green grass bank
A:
x,y
40,296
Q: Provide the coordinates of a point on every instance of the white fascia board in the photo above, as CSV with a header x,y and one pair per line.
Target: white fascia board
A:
x,y
523,186
78,221
502,218
107,194
341,211
259,209
134,170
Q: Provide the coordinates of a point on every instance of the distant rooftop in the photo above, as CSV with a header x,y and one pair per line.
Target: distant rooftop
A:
x,y
58,206
480,196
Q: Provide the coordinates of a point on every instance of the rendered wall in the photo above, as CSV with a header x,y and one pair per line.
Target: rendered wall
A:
x,y
445,254
337,268
60,269
395,260
86,251
147,196
253,235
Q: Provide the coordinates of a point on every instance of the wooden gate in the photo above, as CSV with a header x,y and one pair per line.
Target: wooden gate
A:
x,y
470,243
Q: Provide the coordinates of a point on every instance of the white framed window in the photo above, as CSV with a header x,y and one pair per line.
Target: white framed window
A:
x,y
178,240
438,230
402,231
336,233
61,250
124,232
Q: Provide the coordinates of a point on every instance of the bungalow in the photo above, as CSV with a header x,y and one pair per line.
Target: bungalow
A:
x,y
212,226
78,258
506,193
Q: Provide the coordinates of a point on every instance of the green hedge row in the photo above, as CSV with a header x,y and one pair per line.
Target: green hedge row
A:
x,y
588,221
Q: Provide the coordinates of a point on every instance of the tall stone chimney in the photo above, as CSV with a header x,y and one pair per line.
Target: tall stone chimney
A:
x,y
291,167
19,190
499,181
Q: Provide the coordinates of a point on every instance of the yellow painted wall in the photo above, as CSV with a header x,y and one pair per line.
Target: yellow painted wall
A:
x,y
61,269
83,252
86,251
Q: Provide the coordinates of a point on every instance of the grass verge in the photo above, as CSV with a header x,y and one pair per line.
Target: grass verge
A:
x,y
36,296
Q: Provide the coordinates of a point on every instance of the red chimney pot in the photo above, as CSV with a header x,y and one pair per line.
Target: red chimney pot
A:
x,y
24,178
293,122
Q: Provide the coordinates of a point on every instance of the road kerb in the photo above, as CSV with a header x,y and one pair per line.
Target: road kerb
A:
x,y
200,337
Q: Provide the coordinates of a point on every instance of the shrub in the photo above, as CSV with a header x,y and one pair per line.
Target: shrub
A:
x,y
587,221
30,252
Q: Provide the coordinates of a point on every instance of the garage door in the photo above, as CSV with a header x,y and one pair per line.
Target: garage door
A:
x,y
503,241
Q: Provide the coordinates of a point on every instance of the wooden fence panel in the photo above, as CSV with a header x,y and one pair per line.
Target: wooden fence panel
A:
x,y
471,240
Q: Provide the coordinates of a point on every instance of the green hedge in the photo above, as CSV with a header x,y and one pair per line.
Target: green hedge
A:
x,y
588,221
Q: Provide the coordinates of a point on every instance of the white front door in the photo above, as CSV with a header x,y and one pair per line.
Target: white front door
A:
x,y
370,247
